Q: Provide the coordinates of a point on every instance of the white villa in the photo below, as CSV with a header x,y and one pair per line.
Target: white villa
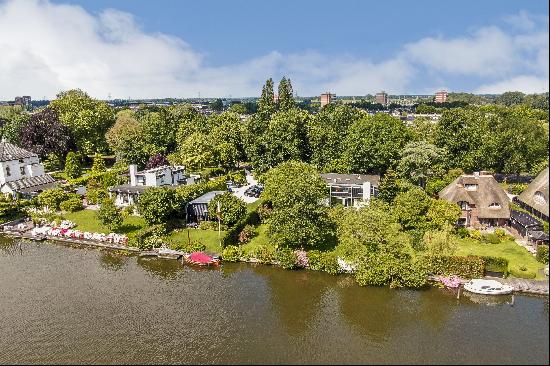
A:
x,y
21,172
351,189
164,176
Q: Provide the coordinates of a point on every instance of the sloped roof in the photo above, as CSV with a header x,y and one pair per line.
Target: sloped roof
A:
x,y
207,197
27,184
10,152
540,184
488,191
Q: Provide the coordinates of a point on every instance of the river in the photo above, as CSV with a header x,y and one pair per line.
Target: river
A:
x,y
63,304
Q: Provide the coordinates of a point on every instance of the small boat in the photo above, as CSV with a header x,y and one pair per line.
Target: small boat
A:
x,y
487,287
202,259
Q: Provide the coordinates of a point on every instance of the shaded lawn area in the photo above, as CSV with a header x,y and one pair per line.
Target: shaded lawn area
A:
x,y
86,220
209,238
515,254
254,205
260,239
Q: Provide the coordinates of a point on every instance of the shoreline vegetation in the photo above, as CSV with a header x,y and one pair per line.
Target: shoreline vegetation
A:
x,y
399,235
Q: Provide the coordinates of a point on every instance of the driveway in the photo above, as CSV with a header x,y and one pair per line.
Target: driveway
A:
x,y
239,192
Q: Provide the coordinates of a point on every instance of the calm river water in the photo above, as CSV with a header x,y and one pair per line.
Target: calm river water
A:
x,y
61,304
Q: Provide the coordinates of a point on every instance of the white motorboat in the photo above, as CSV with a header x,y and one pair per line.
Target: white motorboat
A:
x,y
487,287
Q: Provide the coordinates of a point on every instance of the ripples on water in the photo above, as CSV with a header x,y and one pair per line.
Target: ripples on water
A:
x,y
62,304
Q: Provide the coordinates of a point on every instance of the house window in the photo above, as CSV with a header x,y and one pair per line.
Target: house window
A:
x,y
463,205
539,198
140,181
8,173
471,187
494,205
22,170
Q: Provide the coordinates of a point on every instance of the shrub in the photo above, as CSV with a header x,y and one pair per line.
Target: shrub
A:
x,y
495,264
208,225
129,210
110,215
396,270
232,253
542,253
264,211
286,258
462,232
189,247
72,205
233,233
246,234
522,272
501,233
72,165
52,198
232,208
476,235
466,267
323,261
154,231
491,239
263,254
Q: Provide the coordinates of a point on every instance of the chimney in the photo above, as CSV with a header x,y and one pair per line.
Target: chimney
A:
x,y
133,172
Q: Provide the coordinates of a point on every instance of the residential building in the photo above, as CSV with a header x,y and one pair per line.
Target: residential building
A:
x,y
164,176
441,96
351,189
197,210
382,98
535,198
326,98
21,172
481,199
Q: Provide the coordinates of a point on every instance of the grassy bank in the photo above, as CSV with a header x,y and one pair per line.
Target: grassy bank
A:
x,y
86,220
516,255
209,238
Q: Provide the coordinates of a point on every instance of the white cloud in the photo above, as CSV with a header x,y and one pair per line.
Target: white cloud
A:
x,y
523,83
46,48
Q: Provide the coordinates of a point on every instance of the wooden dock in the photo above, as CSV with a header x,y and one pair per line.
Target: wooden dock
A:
x,y
538,287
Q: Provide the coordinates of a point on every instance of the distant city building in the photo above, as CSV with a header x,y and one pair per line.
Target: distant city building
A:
x,y
441,96
326,98
382,98
24,101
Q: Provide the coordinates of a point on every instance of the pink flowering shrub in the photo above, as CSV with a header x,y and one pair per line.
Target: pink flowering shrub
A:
x,y
301,258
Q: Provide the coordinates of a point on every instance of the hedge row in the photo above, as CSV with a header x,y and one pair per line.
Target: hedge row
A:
x,y
495,264
542,253
465,267
232,235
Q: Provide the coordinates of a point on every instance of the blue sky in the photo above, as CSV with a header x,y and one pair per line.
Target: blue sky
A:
x,y
219,48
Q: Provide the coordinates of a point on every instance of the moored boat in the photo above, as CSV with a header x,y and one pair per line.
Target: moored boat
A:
x,y
201,259
487,287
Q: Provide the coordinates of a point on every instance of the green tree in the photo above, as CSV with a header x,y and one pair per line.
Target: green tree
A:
x,y
389,186
420,161
110,215
159,131
125,139
73,168
510,98
217,105
196,151
52,198
157,205
98,165
266,103
441,242
232,208
227,128
442,213
422,129
87,118
286,95
374,144
12,119
238,108
411,209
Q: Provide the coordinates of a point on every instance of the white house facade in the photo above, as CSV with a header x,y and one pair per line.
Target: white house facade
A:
x,y
164,176
21,172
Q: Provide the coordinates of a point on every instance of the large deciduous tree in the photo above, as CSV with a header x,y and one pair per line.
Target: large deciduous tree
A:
x,y
421,160
286,97
44,134
232,208
125,138
157,205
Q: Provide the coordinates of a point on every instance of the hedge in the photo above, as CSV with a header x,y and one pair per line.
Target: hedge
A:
x,y
542,253
465,267
495,264
141,238
232,235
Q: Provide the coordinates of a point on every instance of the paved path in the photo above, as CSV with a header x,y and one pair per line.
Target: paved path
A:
x,y
239,192
524,285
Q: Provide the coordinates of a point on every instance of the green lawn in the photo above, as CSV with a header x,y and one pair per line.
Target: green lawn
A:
x,y
86,220
259,239
516,254
254,205
209,238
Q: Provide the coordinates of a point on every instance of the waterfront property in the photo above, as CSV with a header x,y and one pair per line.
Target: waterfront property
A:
x,y
528,227
197,210
164,176
351,189
535,198
481,199
21,172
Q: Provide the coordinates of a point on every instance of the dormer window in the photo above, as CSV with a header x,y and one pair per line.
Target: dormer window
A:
x,y
22,170
539,198
495,205
471,187
463,205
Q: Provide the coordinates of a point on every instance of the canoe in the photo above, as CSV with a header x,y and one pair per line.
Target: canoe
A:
x,y
487,287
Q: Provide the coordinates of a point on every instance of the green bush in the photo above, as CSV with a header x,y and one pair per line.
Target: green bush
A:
x,y
462,232
142,239
232,235
246,234
495,264
491,238
542,253
210,225
522,272
323,261
475,234
263,254
286,258
465,267
232,253
194,246
501,233
72,205
396,270
128,210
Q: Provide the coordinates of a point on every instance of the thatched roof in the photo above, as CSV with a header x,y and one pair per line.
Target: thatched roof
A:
x,y
540,184
488,192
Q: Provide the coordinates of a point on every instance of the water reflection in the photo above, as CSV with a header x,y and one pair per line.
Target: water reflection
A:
x,y
113,261
164,268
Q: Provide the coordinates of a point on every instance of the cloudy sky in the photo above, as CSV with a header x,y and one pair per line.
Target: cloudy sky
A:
x,y
171,48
